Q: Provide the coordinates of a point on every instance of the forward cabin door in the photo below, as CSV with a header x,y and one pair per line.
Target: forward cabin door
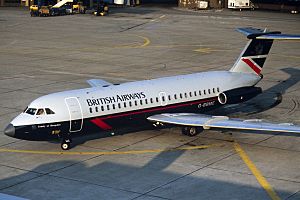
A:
x,y
75,112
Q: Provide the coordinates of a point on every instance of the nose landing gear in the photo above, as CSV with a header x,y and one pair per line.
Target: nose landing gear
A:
x,y
66,144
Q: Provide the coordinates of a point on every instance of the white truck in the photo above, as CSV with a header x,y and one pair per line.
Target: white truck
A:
x,y
240,4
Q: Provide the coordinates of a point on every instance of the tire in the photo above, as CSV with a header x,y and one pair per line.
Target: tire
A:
x,y
66,144
191,131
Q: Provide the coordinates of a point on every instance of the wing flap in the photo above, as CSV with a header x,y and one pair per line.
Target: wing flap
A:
x,y
207,122
98,83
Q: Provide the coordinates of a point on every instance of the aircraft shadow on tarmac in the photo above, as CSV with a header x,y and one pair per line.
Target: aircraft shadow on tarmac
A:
x,y
110,180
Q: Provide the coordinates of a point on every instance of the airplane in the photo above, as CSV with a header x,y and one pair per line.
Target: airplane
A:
x,y
104,108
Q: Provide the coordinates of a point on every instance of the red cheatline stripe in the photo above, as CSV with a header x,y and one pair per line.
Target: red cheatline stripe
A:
x,y
252,65
101,124
99,121
157,109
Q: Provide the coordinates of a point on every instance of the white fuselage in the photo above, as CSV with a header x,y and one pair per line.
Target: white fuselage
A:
x,y
127,96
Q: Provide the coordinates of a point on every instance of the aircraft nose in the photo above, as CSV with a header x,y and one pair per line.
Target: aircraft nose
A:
x,y
10,130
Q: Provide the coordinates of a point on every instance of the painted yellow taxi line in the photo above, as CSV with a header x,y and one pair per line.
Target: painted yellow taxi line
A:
x,y
255,171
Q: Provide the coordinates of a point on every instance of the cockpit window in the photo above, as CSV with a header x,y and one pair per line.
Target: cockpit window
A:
x,y
31,111
40,111
25,109
49,111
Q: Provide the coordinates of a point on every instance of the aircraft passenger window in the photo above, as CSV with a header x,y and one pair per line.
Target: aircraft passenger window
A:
x,y
40,111
130,104
96,109
114,106
141,102
200,92
157,99
214,90
208,91
91,110
146,101
119,105
163,98
195,93
191,94
180,96
107,107
204,92
135,103
49,111
185,95
151,100
175,96
124,104
218,90
102,108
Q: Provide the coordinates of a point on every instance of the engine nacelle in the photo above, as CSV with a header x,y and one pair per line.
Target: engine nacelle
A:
x,y
238,95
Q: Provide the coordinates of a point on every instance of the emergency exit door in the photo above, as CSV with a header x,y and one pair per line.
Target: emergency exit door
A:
x,y
163,98
75,113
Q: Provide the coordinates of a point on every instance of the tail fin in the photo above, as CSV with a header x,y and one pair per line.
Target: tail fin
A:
x,y
254,55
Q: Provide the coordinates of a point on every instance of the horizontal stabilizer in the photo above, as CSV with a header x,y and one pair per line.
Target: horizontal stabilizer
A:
x,y
224,122
98,83
279,37
254,33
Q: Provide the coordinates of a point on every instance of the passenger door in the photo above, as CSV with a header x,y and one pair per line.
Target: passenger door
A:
x,y
75,113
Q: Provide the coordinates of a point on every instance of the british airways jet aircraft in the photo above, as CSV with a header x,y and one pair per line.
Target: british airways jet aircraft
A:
x,y
178,100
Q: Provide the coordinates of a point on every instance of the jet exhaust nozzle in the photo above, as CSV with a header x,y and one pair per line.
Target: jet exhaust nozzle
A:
x,y
238,95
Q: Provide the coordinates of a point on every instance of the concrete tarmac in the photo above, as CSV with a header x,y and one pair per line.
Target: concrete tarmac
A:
x,y
41,55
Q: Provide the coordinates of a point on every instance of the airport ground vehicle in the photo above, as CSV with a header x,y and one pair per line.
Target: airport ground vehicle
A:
x,y
34,10
79,8
62,8
102,10
44,11
240,4
58,11
69,9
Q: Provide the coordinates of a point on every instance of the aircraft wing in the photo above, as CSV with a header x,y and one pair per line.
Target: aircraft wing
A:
x,y
98,83
224,122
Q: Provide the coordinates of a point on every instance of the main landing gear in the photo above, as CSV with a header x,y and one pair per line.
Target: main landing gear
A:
x,y
191,130
66,144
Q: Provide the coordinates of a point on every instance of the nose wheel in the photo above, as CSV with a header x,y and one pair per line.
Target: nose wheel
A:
x,y
66,144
